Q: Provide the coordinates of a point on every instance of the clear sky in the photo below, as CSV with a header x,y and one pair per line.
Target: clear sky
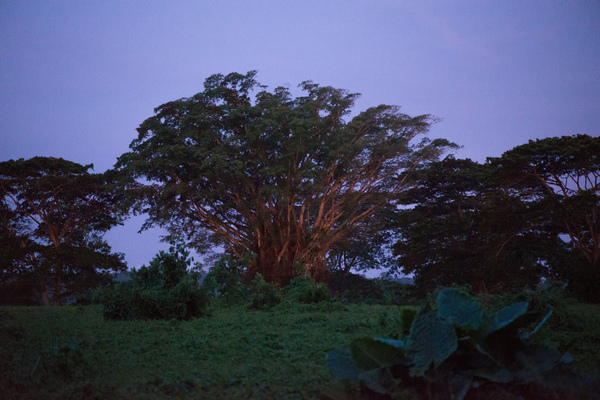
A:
x,y
78,77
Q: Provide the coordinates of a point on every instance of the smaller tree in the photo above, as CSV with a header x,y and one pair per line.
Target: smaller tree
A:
x,y
562,176
227,279
460,228
53,215
16,273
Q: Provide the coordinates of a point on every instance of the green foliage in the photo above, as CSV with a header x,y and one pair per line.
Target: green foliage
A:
x,y
459,308
53,213
582,277
562,176
463,228
366,246
454,349
19,289
232,354
303,289
431,341
226,279
65,360
354,288
119,302
574,326
263,295
165,289
167,269
286,178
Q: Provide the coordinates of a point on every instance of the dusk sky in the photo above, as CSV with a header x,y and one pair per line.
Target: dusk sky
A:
x,y
78,77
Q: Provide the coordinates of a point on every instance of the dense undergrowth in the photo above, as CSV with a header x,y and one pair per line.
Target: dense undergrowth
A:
x,y
72,352
233,352
454,348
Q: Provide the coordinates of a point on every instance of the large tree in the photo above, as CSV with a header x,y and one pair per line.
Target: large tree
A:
x,y
284,178
562,175
367,246
53,213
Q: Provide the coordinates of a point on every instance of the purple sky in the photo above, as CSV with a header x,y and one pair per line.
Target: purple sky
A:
x,y
78,77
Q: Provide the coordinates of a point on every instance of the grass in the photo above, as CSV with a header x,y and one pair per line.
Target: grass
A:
x,y
72,352
576,327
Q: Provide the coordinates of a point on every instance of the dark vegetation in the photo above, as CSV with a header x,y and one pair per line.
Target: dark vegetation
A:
x,y
456,349
300,194
290,180
53,214
166,289
234,352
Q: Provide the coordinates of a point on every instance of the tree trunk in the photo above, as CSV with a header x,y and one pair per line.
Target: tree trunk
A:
x,y
281,243
44,293
58,283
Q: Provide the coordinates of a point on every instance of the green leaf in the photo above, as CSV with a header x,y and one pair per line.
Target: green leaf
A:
x,y
456,306
430,340
535,362
396,343
500,375
378,380
513,330
370,353
542,322
342,365
507,315
407,316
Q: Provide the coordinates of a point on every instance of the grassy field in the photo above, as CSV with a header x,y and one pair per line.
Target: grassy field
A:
x,y
72,352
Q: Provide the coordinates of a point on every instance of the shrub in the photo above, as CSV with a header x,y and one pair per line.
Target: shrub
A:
x,y
303,289
454,348
166,289
19,291
354,288
263,295
225,280
119,302
397,293
547,296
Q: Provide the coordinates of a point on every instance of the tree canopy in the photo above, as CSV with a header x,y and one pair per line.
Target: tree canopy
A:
x,y
52,214
284,178
562,175
533,212
460,227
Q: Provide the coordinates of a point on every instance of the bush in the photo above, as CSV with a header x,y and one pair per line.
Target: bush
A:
x,y
19,291
355,288
303,289
166,289
397,293
547,296
263,295
225,280
119,301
